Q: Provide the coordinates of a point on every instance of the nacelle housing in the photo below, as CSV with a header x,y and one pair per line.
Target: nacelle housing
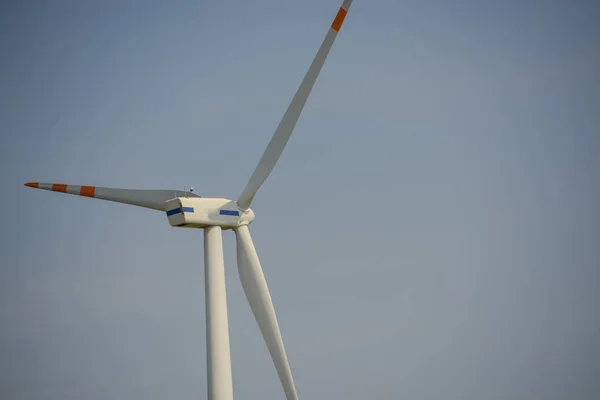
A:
x,y
200,212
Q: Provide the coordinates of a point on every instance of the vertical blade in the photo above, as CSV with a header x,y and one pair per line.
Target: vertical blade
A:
x,y
288,122
257,292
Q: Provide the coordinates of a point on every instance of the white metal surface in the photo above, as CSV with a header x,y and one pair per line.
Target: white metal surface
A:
x,y
257,292
198,212
218,358
288,122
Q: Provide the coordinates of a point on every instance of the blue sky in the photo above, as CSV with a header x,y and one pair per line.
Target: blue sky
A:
x,y
430,232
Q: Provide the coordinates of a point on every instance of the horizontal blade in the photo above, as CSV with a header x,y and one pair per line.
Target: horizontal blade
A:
x,y
154,199
257,292
286,126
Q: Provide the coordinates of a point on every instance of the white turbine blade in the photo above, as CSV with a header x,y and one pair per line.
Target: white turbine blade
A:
x,y
154,199
288,122
257,292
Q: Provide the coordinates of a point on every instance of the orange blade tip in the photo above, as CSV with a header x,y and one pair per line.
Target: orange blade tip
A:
x,y
32,184
339,19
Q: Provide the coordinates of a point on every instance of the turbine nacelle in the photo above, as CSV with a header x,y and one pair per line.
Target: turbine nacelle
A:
x,y
200,212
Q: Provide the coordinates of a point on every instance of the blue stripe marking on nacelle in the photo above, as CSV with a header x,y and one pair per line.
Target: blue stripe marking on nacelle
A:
x,y
229,212
178,210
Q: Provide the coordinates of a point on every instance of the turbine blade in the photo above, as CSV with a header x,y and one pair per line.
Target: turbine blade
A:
x,y
154,199
288,122
257,292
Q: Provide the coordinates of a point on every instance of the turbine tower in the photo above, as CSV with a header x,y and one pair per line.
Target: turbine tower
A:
x,y
213,215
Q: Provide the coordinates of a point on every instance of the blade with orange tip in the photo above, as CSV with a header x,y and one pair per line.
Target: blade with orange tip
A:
x,y
286,126
154,199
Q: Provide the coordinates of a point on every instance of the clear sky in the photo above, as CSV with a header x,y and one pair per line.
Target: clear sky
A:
x,y
431,231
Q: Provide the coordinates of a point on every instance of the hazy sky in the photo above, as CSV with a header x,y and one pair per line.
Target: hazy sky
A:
x,y
431,231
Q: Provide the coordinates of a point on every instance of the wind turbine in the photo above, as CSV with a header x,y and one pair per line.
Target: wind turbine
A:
x,y
187,209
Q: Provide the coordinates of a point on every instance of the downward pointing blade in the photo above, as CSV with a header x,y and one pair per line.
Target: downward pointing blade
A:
x,y
286,126
257,292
